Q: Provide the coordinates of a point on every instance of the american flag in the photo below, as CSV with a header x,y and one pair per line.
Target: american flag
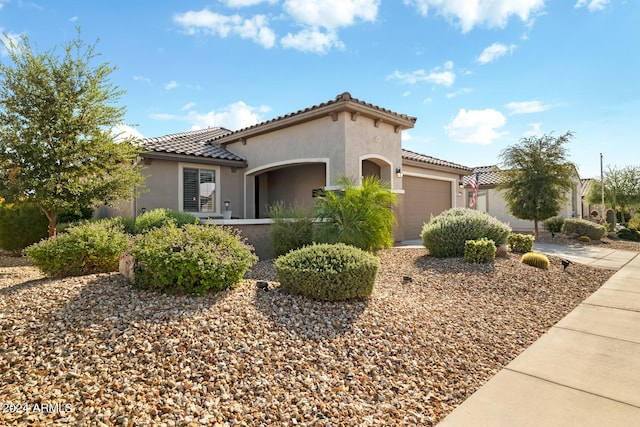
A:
x,y
474,185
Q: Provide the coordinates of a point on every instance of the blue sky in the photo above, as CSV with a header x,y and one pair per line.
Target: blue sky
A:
x,y
478,74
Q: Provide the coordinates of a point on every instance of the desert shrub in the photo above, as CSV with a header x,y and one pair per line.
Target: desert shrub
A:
x,y
190,259
582,227
90,248
361,216
634,222
553,225
613,236
328,272
292,227
584,239
21,225
445,235
520,243
127,224
157,218
629,234
535,259
481,251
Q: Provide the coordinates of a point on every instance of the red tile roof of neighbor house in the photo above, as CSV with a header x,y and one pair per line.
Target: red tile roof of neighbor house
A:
x,y
194,143
417,157
342,102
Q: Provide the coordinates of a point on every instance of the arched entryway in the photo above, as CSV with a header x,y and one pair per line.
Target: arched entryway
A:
x,y
375,165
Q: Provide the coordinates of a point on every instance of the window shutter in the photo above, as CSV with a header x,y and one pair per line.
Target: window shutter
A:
x,y
190,190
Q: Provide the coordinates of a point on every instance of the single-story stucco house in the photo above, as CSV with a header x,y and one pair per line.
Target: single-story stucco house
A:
x,y
214,171
492,201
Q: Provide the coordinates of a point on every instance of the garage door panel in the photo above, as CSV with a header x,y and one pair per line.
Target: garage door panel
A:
x,y
423,197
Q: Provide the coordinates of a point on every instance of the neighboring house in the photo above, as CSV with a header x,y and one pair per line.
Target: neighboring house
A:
x,y
492,201
289,158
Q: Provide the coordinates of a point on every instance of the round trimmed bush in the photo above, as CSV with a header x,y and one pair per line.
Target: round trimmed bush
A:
x,y
446,234
582,227
328,272
191,259
90,248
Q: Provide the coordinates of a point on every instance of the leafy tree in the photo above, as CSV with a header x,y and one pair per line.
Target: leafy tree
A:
x,y
537,176
57,116
621,189
361,216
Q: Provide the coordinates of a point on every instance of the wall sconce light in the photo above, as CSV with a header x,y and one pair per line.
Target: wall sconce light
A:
x,y
399,172
226,205
461,185
143,210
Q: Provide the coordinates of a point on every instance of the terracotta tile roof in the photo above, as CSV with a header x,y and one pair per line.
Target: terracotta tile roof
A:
x,y
417,157
342,102
194,143
487,175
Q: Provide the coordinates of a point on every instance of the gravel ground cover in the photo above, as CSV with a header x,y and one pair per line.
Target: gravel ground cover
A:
x,y
92,351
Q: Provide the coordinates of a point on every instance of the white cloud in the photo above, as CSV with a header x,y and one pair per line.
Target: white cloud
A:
x,y
461,91
494,52
476,126
526,107
592,5
441,76
255,28
245,3
234,116
188,106
536,130
488,13
73,19
171,85
142,79
125,131
11,38
331,14
312,40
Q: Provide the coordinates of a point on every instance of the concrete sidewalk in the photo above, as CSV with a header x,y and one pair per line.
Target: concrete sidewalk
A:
x,y
585,371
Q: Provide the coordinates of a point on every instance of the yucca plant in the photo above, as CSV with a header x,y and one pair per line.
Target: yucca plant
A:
x,y
357,215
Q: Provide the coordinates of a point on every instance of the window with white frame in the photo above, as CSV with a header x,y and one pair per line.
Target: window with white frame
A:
x,y
199,190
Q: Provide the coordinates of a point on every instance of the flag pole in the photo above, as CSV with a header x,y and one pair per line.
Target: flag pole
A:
x,y
602,185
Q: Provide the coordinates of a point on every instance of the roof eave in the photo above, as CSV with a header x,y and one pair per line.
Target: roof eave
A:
x,y
190,158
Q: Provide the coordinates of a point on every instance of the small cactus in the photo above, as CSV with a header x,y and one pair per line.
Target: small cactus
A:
x,y
584,239
535,259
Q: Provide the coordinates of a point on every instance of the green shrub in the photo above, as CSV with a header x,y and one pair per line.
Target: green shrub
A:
x,y
613,236
160,217
634,222
94,247
582,227
535,259
127,224
328,272
292,228
445,235
584,239
191,259
361,216
481,251
520,243
629,234
21,225
554,225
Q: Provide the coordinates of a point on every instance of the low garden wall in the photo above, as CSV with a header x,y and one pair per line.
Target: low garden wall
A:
x,y
256,231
